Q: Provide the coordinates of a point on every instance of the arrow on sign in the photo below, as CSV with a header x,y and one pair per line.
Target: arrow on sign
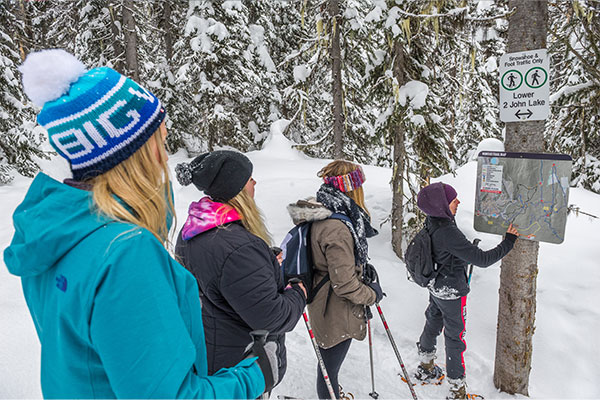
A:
x,y
529,113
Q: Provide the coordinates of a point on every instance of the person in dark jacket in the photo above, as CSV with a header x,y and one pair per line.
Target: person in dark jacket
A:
x,y
452,252
340,252
225,244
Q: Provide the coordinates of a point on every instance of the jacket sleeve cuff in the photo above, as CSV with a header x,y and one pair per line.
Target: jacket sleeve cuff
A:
x,y
295,287
511,238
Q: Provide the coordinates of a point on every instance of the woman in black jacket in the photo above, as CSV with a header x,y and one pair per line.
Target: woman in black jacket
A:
x,y
225,244
452,252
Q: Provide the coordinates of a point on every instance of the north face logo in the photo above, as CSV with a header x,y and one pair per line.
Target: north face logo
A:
x,y
61,283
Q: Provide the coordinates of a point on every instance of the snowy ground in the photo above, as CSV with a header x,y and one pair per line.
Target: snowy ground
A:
x,y
566,355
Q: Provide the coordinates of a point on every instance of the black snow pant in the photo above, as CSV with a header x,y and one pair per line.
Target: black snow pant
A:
x,y
333,359
450,315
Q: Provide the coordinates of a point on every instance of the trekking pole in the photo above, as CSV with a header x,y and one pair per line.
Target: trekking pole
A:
x,y
475,242
389,333
319,357
373,393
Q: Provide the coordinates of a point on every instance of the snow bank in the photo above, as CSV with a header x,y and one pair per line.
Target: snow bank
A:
x,y
566,359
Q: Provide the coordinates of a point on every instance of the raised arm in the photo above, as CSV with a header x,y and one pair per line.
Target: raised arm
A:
x,y
458,245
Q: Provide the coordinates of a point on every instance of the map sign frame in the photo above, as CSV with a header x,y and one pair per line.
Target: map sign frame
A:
x,y
530,190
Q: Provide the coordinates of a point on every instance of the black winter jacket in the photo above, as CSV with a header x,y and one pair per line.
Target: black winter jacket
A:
x,y
453,253
241,289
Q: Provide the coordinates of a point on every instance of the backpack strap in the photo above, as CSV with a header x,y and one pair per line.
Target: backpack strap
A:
x,y
430,231
340,216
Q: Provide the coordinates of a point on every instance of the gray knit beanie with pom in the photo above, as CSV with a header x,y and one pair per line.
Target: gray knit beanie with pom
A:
x,y
221,174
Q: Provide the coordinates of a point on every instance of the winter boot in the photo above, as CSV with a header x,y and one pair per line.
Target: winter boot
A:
x,y
427,371
458,389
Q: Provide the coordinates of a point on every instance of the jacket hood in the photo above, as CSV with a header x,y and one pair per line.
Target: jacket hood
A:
x,y
308,210
432,201
52,219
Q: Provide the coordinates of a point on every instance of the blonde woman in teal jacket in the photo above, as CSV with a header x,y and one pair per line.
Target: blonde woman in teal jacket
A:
x,y
116,316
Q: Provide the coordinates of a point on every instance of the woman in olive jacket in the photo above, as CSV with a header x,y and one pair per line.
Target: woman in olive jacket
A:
x,y
339,250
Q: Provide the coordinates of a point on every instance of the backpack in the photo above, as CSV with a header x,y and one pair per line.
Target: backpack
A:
x,y
418,259
298,260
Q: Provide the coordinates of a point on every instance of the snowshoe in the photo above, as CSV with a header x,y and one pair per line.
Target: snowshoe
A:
x,y
458,390
428,374
344,395
468,396
435,381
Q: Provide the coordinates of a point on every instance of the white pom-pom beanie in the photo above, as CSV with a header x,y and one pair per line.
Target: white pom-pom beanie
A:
x,y
95,119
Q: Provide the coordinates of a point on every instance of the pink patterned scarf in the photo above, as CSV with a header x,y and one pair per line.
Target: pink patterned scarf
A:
x,y
206,214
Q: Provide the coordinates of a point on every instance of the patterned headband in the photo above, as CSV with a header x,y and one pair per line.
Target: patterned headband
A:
x,y
348,182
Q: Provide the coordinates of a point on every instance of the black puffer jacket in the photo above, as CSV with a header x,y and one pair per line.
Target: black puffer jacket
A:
x,y
453,252
241,289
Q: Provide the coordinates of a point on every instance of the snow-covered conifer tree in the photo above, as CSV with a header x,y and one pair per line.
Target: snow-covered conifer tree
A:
x,y
224,69
575,85
19,145
312,94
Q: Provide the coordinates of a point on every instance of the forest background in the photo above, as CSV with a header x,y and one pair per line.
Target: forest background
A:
x,y
411,84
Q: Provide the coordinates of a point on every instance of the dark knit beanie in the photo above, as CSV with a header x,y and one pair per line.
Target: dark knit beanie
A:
x,y
432,200
221,174
450,192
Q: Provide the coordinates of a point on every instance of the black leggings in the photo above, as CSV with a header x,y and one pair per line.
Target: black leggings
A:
x,y
332,358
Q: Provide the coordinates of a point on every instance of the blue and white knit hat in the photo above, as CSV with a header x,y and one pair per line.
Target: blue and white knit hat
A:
x,y
95,119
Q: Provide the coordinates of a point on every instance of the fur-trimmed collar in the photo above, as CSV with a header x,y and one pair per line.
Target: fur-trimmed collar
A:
x,y
308,210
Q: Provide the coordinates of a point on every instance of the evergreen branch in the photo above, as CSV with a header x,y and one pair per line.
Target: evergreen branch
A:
x,y
452,13
315,142
577,211
457,11
300,52
482,19
589,68
592,42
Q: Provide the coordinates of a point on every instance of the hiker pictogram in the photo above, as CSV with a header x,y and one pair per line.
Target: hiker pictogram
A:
x,y
536,77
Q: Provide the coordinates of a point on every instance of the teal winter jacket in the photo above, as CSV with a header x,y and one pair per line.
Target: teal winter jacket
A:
x,y
115,314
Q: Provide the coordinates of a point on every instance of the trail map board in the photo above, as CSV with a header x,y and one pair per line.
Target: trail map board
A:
x,y
527,189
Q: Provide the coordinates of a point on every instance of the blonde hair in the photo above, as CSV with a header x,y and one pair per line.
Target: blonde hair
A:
x,y
141,182
252,218
343,167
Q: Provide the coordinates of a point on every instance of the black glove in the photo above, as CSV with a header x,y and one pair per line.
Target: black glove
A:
x,y
267,357
378,291
368,313
370,274
295,285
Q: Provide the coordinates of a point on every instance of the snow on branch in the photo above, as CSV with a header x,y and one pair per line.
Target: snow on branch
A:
x,y
458,11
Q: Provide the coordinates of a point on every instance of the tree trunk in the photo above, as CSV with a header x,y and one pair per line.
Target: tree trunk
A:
x,y
118,64
130,37
517,303
399,158
336,74
24,35
165,24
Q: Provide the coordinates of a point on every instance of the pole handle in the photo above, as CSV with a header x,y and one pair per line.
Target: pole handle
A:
x,y
259,336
